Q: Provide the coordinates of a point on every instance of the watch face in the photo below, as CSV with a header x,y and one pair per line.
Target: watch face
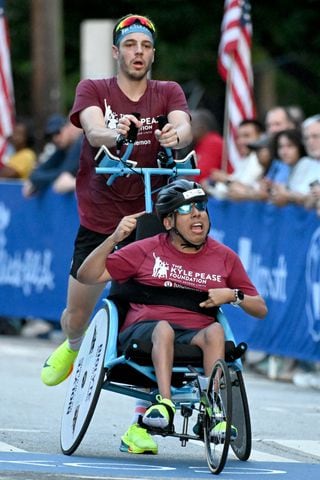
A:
x,y
240,295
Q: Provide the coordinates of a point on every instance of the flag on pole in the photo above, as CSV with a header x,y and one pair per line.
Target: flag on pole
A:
x,y
235,68
6,84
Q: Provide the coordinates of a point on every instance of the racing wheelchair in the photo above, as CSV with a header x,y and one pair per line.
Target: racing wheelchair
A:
x,y
101,364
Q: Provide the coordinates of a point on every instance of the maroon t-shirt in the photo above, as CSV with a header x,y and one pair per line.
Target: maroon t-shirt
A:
x,y
155,261
100,206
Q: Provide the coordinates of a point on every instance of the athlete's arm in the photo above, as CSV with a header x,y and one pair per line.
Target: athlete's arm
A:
x,y
93,270
252,304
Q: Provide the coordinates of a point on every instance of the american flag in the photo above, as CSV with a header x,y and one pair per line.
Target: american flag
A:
x,y
234,66
6,84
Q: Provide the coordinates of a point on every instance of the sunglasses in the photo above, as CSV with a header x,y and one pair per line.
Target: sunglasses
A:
x,y
127,22
201,206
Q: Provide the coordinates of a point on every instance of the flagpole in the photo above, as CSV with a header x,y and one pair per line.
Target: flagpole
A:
x,y
226,123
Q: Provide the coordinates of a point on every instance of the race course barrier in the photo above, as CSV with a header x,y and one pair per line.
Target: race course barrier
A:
x,y
280,248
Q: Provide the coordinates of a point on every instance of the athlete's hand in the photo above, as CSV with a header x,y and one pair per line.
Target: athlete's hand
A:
x,y
125,227
168,136
217,297
124,124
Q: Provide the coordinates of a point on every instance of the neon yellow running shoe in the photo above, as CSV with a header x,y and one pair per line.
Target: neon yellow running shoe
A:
x,y
220,430
59,365
161,414
138,440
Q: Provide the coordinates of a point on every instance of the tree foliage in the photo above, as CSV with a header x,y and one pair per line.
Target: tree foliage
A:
x,y
286,41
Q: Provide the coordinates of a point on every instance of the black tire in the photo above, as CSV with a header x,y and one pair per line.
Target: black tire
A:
x,y
240,417
220,410
85,383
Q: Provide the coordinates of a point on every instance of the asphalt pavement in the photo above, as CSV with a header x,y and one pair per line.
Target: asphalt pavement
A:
x,y
285,424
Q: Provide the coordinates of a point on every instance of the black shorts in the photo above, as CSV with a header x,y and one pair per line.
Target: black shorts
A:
x,y
143,330
86,241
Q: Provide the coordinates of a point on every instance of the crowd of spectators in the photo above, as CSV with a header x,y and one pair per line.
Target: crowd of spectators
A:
x,y
279,161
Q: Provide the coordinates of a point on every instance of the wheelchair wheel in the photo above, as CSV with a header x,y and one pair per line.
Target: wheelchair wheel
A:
x,y
85,384
217,417
240,417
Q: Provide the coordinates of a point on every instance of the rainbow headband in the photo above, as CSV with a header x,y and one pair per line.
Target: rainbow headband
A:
x,y
135,28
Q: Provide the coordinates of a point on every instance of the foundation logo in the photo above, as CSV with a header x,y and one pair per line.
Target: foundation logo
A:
x,y
160,268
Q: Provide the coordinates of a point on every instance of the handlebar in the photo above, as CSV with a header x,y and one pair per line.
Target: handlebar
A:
x,y
109,164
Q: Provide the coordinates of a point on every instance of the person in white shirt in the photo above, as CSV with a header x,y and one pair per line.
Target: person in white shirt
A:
x,y
305,170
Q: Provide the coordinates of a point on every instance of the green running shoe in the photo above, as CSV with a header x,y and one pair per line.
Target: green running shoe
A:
x,y
161,414
59,365
138,440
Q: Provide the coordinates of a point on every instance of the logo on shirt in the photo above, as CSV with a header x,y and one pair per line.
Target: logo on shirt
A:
x,y
174,272
160,268
110,118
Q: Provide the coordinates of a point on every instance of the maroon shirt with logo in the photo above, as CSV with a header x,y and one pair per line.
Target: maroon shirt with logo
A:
x,y
155,261
101,207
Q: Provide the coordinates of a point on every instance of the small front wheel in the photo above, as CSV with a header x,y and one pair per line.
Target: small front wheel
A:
x,y
217,417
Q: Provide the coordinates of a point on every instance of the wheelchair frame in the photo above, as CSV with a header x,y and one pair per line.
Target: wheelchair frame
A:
x,y
100,365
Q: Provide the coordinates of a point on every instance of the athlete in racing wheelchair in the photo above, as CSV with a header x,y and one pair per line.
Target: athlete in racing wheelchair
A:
x,y
188,276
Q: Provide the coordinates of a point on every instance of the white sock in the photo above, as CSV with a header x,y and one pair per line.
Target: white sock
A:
x,y
140,409
75,343
203,382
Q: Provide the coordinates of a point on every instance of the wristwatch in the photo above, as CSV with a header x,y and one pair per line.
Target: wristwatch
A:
x,y
238,297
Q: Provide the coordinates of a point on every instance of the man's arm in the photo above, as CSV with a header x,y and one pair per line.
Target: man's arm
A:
x,y
93,270
93,124
177,132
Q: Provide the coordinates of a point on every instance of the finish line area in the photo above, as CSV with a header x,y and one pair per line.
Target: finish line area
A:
x,y
150,467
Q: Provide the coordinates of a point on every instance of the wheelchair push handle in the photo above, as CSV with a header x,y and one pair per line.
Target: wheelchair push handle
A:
x,y
133,130
165,156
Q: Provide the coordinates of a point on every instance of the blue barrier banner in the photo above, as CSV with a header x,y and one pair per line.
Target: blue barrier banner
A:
x,y
36,244
280,249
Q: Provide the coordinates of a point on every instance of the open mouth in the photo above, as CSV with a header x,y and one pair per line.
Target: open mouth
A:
x,y
138,64
197,228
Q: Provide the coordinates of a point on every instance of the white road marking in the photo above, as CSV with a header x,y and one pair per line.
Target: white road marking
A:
x,y
309,447
5,447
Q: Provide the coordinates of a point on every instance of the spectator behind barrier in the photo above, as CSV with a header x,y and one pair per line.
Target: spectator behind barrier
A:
x,y
207,143
258,190
249,169
311,137
59,170
288,147
280,118
22,160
